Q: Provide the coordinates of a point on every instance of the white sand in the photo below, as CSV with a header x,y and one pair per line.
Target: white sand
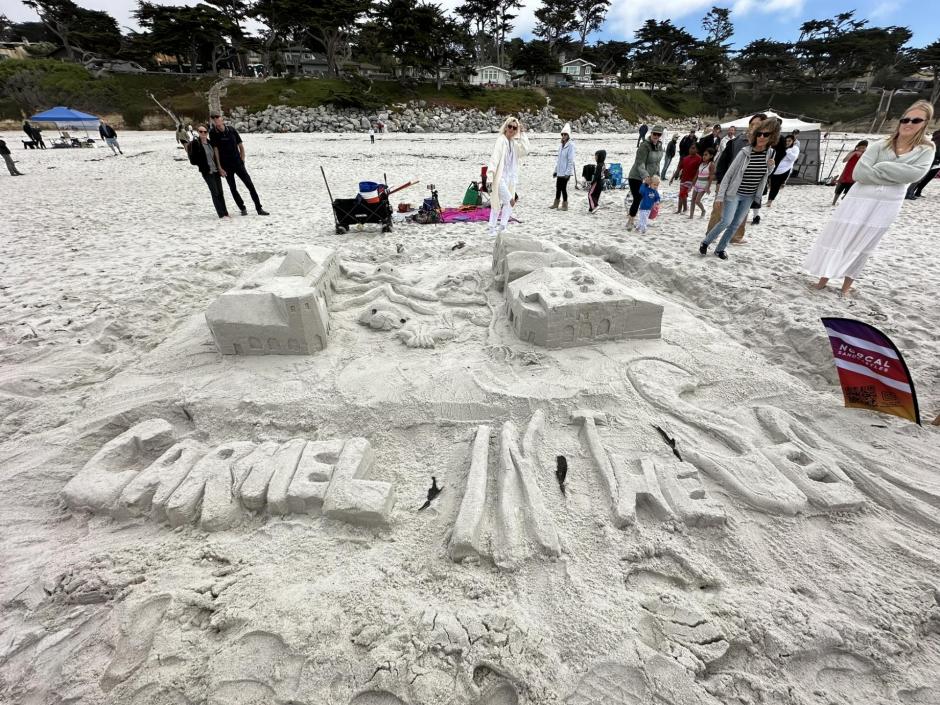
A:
x,y
108,265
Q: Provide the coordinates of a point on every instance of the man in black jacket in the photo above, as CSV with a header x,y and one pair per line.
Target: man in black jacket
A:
x,y
109,136
230,157
202,155
710,141
685,143
8,158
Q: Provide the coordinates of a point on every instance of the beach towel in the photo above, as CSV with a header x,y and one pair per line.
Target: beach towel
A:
x,y
465,215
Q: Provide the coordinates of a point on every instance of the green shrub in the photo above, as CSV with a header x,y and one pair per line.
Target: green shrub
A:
x,y
133,116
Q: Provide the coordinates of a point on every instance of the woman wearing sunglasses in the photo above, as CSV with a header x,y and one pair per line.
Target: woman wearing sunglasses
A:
x,y
202,155
742,184
881,176
512,144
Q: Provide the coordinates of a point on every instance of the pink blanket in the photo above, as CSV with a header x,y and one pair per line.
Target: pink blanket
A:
x,y
480,214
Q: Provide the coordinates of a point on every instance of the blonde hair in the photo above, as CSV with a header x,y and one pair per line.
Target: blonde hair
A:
x,y
506,122
920,137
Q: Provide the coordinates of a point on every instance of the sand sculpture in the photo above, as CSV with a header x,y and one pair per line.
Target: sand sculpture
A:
x,y
783,476
394,303
147,471
555,300
670,489
522,524
282,308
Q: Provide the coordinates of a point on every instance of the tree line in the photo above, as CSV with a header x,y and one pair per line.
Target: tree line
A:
x,y
417,38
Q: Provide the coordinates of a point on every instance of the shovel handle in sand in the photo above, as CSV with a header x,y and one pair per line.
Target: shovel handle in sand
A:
x,y
403,186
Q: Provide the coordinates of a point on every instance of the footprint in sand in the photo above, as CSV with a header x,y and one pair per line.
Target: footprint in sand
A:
x,y
156,694
258,669
495,689
133,647
611,684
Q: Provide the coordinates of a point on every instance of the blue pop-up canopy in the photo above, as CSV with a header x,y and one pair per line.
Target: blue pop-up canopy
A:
x,y
65,117
62,114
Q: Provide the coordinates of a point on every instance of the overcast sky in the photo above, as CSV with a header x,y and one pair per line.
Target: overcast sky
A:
x,y
753,19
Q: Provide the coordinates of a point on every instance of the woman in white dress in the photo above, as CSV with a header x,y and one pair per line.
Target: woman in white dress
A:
x,y
512,144
881,179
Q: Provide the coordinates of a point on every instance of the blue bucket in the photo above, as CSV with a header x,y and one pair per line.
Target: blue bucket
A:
x,y
371,192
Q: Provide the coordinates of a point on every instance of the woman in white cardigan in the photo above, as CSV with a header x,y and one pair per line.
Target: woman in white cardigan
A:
x,y
512,145
881,178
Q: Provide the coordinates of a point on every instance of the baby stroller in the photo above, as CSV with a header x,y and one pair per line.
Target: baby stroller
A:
x,y
371,206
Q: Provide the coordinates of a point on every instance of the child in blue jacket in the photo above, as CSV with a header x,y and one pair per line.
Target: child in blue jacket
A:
x,y
649,197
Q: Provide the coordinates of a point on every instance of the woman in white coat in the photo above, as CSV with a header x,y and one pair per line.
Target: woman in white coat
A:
x,y
564,168
512,145
881,176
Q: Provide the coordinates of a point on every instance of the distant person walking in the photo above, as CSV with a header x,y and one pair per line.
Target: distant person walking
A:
x,y
371,135
646,164
183,136
670,155
915,190
512,144
882,176
847,177
34,134
8,158
597,181
108,134
785,162
643,130
230,156
742,184
202,155
564,168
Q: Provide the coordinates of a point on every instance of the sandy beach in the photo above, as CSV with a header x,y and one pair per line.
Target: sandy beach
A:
x,y
786,598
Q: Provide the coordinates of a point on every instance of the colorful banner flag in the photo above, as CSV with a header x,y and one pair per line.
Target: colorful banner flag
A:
x,y
871,369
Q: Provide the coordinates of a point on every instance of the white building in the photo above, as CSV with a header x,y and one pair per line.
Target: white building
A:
x,y
490,76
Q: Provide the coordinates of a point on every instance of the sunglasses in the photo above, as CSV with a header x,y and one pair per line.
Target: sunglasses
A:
x,y
657,134
512,127
913,121
763,134
203,131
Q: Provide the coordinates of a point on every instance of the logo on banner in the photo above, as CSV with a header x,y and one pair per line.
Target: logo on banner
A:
x,y
871,369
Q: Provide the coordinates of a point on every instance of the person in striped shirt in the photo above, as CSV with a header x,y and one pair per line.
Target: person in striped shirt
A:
x,y
742,184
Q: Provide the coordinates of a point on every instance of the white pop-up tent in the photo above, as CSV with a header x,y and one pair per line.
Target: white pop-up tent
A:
x,y
809,163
